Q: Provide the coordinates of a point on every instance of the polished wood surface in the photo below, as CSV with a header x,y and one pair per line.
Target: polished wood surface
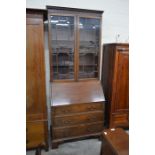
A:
x,y
35,134
74,121
36,115
77,111
115,142
77,130
35,68
121,98
76,92
88,117
115,81
77,108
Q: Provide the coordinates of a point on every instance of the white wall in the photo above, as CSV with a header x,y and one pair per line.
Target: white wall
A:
x,y
115,17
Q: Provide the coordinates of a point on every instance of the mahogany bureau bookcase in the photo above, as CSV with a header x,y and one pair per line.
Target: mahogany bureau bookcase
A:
x,y
77,100
115,81
36,116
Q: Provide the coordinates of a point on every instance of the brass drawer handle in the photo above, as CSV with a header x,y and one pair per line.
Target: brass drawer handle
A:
x,y
90,129
65,110
89,119
67,122
91,108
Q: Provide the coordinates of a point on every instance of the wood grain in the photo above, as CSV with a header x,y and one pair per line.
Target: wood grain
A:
x,y
115,142
77,130
115,81
36,116
76,92
77,108
80,118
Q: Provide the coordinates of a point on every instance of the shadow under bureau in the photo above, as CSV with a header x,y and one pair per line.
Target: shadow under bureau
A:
x,y
77,111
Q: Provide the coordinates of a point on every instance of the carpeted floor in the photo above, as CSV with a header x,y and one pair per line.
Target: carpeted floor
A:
x,y
83,147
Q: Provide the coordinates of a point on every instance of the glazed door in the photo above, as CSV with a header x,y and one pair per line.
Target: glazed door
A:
x,y
35,70
89,47
121,100
62,47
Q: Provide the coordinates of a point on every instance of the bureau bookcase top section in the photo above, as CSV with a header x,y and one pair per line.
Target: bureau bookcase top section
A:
x,y
74,43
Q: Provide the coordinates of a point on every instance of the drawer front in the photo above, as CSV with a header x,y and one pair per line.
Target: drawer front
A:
x,y
72,109
120,120
77,119
76,131
35,134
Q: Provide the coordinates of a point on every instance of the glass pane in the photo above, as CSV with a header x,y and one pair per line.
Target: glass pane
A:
x,y
89,47
62,34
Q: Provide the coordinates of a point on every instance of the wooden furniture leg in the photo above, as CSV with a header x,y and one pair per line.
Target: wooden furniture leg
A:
x,y
38,151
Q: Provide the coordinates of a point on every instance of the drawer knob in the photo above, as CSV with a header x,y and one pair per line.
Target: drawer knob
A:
x,y
90,130
67,122
66,111
92,119
91,108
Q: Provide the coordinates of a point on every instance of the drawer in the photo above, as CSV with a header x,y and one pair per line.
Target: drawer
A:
x,y
72,109
77,119
76,131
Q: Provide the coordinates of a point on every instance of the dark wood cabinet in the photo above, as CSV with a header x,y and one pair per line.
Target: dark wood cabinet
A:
x,y
77,111
74,43
115,81
36,117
